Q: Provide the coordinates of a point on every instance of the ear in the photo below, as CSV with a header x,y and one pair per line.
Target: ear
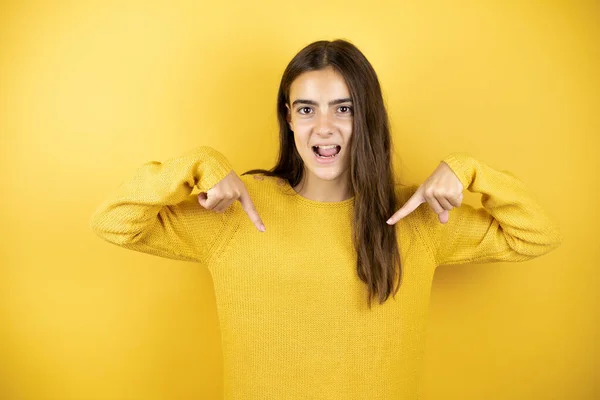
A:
x,y
288,116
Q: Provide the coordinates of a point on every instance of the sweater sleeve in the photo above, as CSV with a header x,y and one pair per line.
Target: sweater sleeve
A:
x,y
154,212
511,226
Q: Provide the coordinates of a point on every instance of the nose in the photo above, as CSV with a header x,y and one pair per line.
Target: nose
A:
x,y
324,125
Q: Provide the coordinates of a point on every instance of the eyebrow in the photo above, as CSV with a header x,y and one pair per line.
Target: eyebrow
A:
x,y
314,103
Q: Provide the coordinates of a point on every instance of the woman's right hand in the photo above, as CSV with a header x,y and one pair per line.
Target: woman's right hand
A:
x,y
223,194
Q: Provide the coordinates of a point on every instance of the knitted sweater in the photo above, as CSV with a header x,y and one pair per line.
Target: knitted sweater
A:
x,y
293,313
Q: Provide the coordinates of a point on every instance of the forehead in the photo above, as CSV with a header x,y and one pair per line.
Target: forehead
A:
x,y
326,83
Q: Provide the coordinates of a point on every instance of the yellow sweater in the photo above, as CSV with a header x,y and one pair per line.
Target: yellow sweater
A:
x,y
293,313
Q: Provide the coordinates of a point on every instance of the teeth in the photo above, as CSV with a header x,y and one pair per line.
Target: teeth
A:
x,y
320,156
330,146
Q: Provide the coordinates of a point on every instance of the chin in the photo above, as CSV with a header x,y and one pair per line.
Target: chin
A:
x,y
330,176
327,173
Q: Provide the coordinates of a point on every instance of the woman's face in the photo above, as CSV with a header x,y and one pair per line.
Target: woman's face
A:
x,y
321,113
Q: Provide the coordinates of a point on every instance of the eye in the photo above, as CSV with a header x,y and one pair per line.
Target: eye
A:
x,y
349,109
303,108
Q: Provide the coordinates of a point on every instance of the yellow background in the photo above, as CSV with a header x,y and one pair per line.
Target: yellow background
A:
x,y
91,90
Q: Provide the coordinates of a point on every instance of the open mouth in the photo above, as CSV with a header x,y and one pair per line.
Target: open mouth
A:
x,y
327,152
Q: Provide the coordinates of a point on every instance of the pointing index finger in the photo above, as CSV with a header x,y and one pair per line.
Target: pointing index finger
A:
x,y
249,208
411,204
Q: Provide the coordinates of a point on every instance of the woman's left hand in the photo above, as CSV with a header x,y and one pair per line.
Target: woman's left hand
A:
x,y
442,190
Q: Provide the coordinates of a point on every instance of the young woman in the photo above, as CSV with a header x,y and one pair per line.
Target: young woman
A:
x,y
297,252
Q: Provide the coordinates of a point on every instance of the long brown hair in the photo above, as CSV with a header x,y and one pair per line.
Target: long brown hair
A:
x,y
371,170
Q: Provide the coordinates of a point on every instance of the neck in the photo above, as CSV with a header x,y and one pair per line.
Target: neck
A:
x,y
314,188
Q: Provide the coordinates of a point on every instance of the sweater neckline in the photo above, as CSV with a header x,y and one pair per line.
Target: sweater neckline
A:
x,y
348,203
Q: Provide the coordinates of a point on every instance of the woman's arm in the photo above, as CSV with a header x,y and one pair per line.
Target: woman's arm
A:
x,y
154,212
511,226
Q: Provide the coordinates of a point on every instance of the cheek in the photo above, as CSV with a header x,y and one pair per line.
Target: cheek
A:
x,y
300,142
348,126
348,135
301,135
